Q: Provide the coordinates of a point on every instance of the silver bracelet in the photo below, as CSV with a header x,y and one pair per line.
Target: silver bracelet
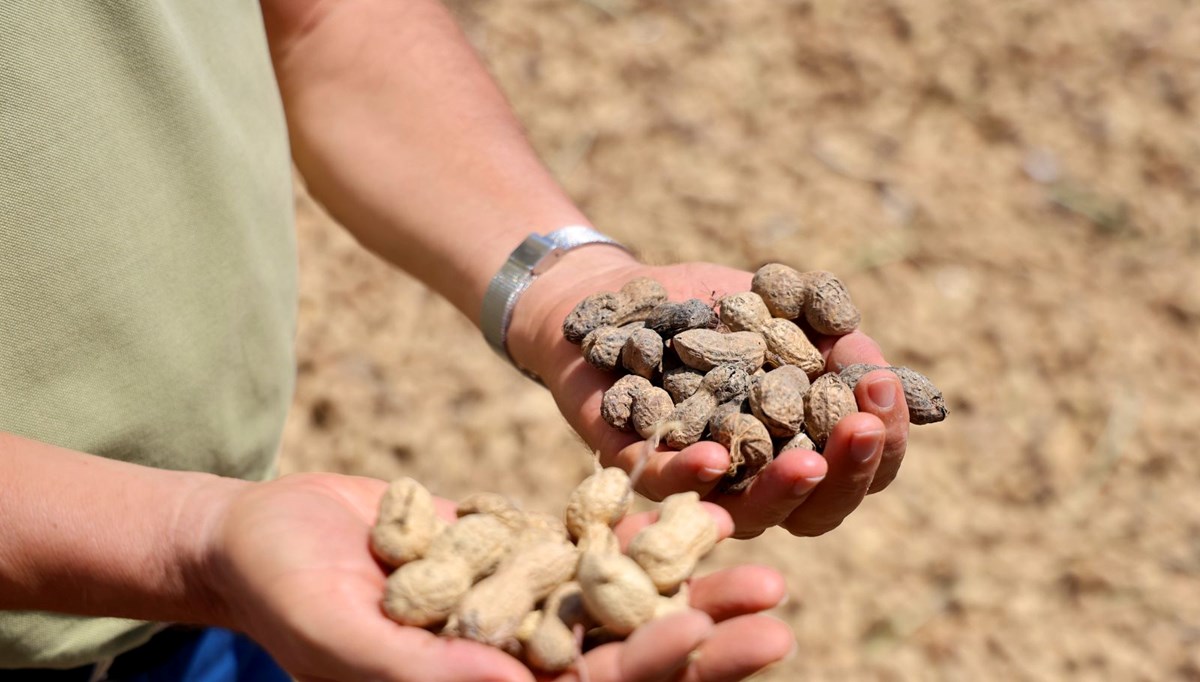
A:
x,y
531,258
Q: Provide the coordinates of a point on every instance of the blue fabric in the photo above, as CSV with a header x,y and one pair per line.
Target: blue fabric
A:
x,y
217,655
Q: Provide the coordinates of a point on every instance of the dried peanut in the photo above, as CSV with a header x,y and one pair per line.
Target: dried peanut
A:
x,y
499,506
632,303
721,384
749,445
682,382
650,408
800,441
669,319
786,343
616,591
642,353
601,499
552,647
704,349
669,548
406,523
783,289
828,308
426,591
925,402
616,407
827,401
491,612
676,603
777,399
602,347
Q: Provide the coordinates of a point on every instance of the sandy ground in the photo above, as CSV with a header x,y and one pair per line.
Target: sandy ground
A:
x,y
1011,191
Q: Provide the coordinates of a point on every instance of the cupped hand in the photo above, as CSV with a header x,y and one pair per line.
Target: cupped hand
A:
x,y
290,564
803,491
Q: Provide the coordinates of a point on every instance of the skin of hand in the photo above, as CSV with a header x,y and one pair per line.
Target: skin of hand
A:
x,y
292,567
806,493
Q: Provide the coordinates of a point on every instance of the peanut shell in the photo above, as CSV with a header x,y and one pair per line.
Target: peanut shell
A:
x,y
669,319
642,352
828,308
827,401
682,382
777,399
704,349
602,347
616,407
783,289
925,402
750,449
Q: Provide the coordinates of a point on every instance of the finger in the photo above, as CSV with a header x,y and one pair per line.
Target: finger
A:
x,y
853,452
737,591
881,394
739,648
697,467
850,349
775,493
629,526
656,651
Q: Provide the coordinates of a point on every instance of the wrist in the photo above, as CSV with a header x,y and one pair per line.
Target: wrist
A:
x,y
204,568
535,339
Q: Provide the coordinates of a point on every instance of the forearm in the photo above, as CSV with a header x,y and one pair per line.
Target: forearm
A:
x,y
403,136
87,535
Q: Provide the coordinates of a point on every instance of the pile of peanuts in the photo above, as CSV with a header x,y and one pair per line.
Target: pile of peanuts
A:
x,y
527,582
744,372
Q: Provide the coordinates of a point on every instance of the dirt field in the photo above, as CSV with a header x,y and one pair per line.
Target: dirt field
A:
x,y
1011,191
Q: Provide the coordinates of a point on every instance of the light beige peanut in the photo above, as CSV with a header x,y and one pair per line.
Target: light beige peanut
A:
x,y
406,525
777,400
602,348
704,349
642,353
828,307
551,646
601,499
668,549
786,343
426,591
750,448
632,303
676,603
616,591
783,289
492,611
499,506
827,401
721,384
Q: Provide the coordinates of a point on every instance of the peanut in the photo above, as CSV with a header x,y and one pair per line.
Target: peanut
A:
x,y
925,402
676,603
777,400
682,382
602,347
800,441
600,500
669,548
828,308
406,525
704,349
786,343
616,591
721,384
632,303
552,647
616,407
749,445
827,401
491,612
669,319
426,591
783,289
650,408
642,353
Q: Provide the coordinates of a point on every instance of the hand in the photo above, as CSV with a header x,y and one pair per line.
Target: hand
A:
x,y
291,567
806,493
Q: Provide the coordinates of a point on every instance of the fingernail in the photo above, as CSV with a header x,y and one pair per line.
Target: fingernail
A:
x,y
805,485
882,392
864,445
709,474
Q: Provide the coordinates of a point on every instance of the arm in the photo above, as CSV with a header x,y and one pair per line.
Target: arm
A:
x,y
401,134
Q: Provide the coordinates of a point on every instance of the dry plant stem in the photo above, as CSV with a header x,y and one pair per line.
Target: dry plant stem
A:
x,y
406,525
668,549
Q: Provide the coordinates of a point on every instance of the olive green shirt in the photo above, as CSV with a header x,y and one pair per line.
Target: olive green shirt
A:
x,y
147,256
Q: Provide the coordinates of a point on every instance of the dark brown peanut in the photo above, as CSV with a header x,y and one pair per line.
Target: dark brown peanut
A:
x,y
669,319
925,402
722,384
632,303
642,353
